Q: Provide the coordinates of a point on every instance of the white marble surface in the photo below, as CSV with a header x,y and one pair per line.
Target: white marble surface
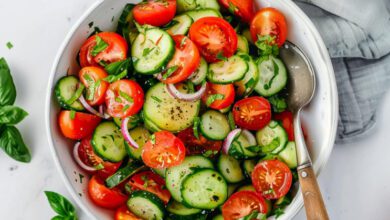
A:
x,y
355,183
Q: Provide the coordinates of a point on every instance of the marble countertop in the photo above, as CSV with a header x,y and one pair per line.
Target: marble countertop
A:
x,y
355,183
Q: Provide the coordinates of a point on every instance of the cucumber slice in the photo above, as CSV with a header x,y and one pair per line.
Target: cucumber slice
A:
x,y
247,34
211,4
133,121
123,174
227,71
65,90
200,74
218,217
204,189
148,56
185,5
242,44
226,110
230,169
141,136
175,175
199,216
183,24
201,13
273,76
246,86
289,155
146,205
272,138
108,142
246,188
168,113
180,209
232,188
249,166
241,147
149,125
160,172
214,125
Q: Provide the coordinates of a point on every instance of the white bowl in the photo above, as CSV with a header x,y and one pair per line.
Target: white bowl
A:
x,y
322,112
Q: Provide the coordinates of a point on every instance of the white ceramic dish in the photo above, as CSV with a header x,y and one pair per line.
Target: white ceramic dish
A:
x,y
322,113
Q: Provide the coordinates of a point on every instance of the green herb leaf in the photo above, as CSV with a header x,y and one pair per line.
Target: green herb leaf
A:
x,y
7,86
126,96
213,98
170,71
61,206
76,95
147,51
232,8
155,98
125,108
99,47
90,86
267,45
118,67
245,57
183,42
271,146
250,84
231,121
278,212
170,24
9,45
11,115
153,139
222,57
72,114
254,149
278,104
12,143
195,128
113,78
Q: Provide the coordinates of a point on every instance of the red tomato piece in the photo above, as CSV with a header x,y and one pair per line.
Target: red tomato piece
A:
x,y
198,146
186,59
269,21
272,178
252,113
242,204
77,126
116,49
103,196
123,213
226,90
286,118
124,98
214,37
90,77
242,8
163,150
155,12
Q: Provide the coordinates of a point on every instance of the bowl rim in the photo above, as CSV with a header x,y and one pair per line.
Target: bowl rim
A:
x,y
320,162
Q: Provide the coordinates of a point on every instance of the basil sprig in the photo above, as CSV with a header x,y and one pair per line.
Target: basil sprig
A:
x,y
61,206
11,140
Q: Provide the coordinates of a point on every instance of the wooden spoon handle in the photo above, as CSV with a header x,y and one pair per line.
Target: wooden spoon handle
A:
x,y
314,205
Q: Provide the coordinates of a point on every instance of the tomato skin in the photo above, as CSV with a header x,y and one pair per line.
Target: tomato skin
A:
x,y
269,21
244,8
103,196
186,57
213,36
96,74
227,90
154,184
115,91
286,118
155,12
195,145
252,113
123,213
166,150
81,126
116,50
241,204
272,178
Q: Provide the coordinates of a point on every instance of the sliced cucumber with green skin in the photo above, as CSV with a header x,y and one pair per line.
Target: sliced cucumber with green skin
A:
x,y
226,110
201,13
168,113
185,5
289,155
199,216
241,147
151,126
175,175
108,142
141,136
160,172
230,169
246,188
183,24
249,166
232,188
152,50
242,44
218,217
246,86
204,4
214,125
200,74
228,71
133,121
247,34
204,189
123,174
146,205
273,76
178,208
272,138
65,90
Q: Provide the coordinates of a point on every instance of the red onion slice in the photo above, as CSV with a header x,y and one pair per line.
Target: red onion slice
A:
x,y
78,160
127,135
90,108
186,97
229,139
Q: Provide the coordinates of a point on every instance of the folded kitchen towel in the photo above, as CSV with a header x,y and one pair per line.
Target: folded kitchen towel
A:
x,y
357,35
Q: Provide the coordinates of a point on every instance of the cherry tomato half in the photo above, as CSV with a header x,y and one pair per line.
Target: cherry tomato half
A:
x,y
272,178
242,204
123,213
115,49
103,196
286,118
252,113
269,21
92,77
78,125
186,60
227,91
198,146
155,12
124,98
242,8
163,150
214,37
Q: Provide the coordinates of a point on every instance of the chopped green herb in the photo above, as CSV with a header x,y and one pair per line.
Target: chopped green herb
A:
x,y
90,24
250,84
72,114
254,149
9,45
125,108
276,72
99,47
278,212
100,166
117,99
220,56
213,98
126,96
147,51
278,104
183,41
153,139
113,78
245,57
232,8
170,71
196,127
267,45
76,95
232,124
118,67
270,191
156,99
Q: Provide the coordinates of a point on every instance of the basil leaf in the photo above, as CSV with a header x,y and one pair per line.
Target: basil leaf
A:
x,y
213,98
126,96
117,68
61,206
267,45
11,115
222,57
11,142
9,45
278,104
113,78
7,86
99,47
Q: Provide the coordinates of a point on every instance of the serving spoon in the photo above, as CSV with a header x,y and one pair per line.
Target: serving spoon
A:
x,y
301,88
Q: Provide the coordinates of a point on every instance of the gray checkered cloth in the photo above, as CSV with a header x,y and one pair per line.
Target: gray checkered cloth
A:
x,y
357,35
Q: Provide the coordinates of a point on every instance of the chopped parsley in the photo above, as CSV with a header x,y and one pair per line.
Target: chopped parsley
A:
x,y
9,45
126,96
156,99
278,104
99,47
